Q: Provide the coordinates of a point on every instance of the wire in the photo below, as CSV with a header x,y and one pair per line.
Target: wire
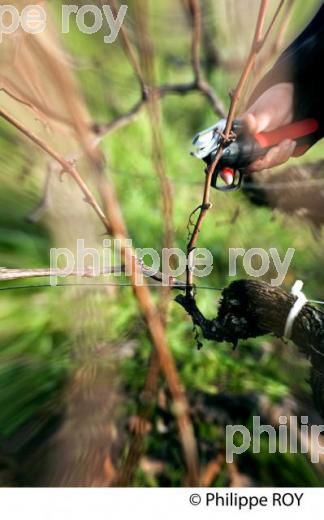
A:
x,y
44,285
319,302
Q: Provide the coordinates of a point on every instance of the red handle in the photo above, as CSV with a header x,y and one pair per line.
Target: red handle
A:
x,y
292,131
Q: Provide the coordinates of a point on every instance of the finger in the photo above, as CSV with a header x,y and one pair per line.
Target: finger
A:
x,y
273,108
250,122
227,176
285,151
301,149
276,156
258,118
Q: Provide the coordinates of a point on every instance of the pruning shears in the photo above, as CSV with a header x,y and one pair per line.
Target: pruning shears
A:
x,y
243,148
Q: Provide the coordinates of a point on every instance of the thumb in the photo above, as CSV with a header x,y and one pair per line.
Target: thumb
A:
x,y
250,122
257,123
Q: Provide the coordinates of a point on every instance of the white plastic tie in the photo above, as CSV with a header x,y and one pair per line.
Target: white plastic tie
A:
x,y
296,308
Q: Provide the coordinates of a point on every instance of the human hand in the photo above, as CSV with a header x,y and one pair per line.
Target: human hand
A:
x,y
273,109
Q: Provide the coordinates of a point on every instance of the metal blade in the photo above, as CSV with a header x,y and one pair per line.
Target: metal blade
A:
x,y
207,141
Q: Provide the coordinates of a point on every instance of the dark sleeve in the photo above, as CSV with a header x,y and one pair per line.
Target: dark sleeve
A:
x,y
302,64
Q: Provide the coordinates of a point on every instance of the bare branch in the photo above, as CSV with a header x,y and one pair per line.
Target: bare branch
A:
x,y
195,9
277,44
129,50
141,425
66,165
19,274
273,21
206,90
116,226
199,84
102,129
147,51
156,329
212,470
257,43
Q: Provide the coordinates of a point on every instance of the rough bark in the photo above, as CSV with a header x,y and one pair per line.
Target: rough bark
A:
x,y
250,309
